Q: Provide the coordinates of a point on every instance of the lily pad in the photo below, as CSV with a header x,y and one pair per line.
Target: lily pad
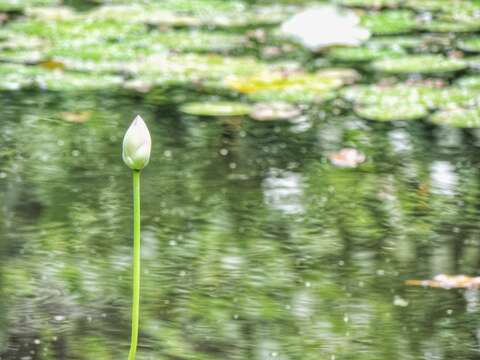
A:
x,y
22,56
420,64
198,41
457,117
362,54
392,111
370,4
471,44
19,5
397,42
196,68
78,30
449,26
76,81
390,22
51,13
298,87
217,109
274,111
430,96
17,77
469,82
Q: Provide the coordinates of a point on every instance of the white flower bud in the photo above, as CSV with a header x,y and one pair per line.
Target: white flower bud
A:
x,y
137,145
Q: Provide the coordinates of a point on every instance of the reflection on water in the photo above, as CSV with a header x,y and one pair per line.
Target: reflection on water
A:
x,y
254,245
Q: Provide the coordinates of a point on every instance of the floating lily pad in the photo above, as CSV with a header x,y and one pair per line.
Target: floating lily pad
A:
x,y
362,54
449,26
469,82
22,56
296,94
219,108
397,42
274,111
346,75
392,111
471,44
421,64
17,77
370,4
280,81
77,81
390,22
12,41
457,117
430,96
19,5
373,94
198,41
296,87
196,68
78,30
51,13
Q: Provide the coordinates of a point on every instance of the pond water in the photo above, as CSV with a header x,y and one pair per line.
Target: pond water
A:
x,y
254,244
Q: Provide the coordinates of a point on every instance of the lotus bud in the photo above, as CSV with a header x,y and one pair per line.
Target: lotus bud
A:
x,y
137,145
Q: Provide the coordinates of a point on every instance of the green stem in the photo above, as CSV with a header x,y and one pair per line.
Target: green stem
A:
x,y
136,264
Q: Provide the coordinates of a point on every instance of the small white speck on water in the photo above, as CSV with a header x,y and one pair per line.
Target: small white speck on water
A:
x,y
3,175
36,341
308,284
172,243
232,165
346,318
449,312
341,263
361,284
380,272
167,153
274,354
223,152
75,153
183,273
59,318
235,316
55,338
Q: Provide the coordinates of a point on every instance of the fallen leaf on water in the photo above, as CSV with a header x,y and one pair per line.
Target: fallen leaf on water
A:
x,y
52,65
76,117
444,281
347,158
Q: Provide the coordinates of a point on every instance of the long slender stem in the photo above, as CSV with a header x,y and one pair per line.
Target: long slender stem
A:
x,y
136,264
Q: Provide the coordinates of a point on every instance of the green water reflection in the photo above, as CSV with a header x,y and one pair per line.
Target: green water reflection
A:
x,y
254,246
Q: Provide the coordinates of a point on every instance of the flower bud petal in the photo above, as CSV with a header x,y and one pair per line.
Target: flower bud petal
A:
x,y
137,145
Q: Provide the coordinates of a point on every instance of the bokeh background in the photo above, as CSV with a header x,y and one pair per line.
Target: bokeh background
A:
x,y
262,239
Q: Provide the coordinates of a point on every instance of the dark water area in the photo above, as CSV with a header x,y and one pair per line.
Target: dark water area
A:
x,y
254,245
